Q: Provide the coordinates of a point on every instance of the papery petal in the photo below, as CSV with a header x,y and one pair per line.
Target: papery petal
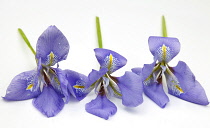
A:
x,y
77,84
23,86
164,48
147,70
137,71
49,102
109,59
52,46
193,91
101,107
156,93
61,83
131,88
94,75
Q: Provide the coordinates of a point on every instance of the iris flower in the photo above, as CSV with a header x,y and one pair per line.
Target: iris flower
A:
x,y
180,80
106,86
47,85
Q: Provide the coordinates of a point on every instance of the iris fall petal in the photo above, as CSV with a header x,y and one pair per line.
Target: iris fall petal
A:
x,y
49,102
101,107
23,86
131,88
193,91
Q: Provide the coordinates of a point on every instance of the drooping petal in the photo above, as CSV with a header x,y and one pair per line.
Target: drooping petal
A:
x,y
101,107
109,59
61,84
77,84
23,86
147,70
94,75
164,48
137,71
156,93
131,88
192,90
52,46
49,102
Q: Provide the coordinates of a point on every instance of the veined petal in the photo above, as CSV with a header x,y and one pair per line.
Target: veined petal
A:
x,y
156,93
52,46
147,70
23,86
109,59
131,88
61,84
77,84
137,71
94,75
101,107
192,90
164,48
49,102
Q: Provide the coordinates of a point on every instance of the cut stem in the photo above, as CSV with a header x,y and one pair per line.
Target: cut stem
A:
x,y
164,29
98,28
26,40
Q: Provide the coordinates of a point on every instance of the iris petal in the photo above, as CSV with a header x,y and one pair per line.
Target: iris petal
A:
x,y
49,102
110,59
52,46
77,83
60,83
101,107
23,86
193,91
156,93
131,88
164,48
94,75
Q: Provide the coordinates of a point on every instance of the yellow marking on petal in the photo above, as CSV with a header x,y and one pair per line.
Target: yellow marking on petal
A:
x,y
110,61
78,86
164,52
179,88
51,57
57,81
30,86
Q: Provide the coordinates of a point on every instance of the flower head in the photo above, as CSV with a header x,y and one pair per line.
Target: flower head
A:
x,y
47,85
180,80
106,86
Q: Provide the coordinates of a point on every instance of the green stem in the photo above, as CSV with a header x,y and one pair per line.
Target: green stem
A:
x,y
98,28
164,29
26,40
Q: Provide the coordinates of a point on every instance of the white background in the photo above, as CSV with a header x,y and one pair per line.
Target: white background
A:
x,y
126,26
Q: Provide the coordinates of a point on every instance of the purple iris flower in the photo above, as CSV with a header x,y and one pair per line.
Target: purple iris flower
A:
x,y
125,87
47,85
180,80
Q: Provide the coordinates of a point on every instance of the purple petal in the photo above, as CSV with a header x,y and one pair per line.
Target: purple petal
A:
x,y
52,46
94,75
101,107
147,70
23,86
109,59
193,91
49,102
156,93
62,87
164,48
137,71
131,88
77,83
